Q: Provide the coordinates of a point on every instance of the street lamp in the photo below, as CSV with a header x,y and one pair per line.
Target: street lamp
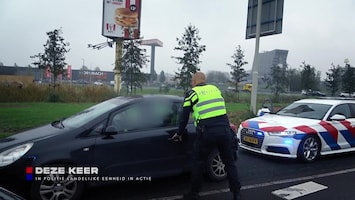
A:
x,y
83,62
101,45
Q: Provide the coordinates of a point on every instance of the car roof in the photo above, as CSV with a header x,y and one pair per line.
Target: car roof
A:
x,y
329,101
148,97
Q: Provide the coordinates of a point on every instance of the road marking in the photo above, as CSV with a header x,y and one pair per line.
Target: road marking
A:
x,y
299,190
305,178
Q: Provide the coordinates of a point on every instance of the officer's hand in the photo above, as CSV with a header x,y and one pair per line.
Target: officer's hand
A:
x,y
176,137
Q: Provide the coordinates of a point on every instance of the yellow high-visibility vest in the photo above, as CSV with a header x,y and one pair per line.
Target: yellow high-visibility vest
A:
x,y
210,103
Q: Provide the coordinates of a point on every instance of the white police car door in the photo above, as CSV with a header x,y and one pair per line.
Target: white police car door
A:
x,y
345,128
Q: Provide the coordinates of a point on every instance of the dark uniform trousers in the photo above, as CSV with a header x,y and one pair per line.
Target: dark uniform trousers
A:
x,y
208,138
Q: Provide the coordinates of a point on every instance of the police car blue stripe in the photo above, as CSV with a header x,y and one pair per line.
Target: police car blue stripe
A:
x,y
253,124
329,140
348,137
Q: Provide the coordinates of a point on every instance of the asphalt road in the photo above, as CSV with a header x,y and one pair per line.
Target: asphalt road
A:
x,y
262,177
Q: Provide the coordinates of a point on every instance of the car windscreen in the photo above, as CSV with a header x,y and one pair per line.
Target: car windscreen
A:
x,y
91,113
305,110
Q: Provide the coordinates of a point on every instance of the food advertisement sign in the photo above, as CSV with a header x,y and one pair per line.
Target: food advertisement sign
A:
x,y
121,19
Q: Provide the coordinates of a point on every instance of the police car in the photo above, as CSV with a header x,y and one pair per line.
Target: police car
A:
x,y
305,129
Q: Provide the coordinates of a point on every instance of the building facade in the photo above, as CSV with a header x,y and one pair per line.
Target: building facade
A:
x,y
79,76
272,58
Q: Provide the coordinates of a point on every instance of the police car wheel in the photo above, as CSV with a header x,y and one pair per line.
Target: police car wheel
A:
x,y
309,149
57,186
215,167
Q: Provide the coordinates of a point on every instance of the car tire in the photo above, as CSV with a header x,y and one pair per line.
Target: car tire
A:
x,y
57,187
309,149
215,167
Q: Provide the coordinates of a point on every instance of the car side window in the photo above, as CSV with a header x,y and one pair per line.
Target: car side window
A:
x,y
128,119
173,115
162,114
97,129
352,110
147,115
342,109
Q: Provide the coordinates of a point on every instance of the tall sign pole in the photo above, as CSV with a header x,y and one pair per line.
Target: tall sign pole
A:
x,y
264,18
255,69
121,21
117,70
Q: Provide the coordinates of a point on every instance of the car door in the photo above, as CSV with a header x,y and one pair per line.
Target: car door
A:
x,y
142,146
349,123
345,128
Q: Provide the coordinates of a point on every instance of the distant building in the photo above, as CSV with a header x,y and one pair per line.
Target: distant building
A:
x,y
267,60
83,76
272,58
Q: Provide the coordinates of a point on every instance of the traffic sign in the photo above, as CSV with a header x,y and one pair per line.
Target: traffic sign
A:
x,y
271,18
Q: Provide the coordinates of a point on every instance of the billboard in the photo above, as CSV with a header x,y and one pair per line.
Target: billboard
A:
x,y
121,19
271,18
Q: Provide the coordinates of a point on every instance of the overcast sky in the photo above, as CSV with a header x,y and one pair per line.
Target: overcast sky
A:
x,y
319,32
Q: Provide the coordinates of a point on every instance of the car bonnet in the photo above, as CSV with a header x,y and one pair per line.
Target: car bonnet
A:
x,y
270,122
32,135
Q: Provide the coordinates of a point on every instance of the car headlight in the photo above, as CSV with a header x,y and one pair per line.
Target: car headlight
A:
x,y
11,155
282,133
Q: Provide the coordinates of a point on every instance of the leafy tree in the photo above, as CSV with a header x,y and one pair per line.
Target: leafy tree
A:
x,y
348,79
133,60
153,76
53,57
333,80
294,78
97,69
217,77
162,77
238,72
277,80
189,45
309,77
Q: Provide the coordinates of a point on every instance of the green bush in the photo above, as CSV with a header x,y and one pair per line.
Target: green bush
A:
x,y
54,97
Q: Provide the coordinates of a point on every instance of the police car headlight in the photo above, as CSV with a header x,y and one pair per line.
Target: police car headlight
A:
x,y
282,133
11,155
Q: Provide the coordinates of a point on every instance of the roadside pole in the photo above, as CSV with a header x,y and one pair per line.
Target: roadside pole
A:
x,y
255,68
118,62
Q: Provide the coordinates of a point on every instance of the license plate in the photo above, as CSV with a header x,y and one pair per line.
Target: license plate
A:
x,y
250,140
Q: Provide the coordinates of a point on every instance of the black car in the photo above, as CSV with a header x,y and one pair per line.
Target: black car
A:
x,y
8,195
316,93
121,139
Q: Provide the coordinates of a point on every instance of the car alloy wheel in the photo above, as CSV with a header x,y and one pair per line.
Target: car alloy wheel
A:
x,y
215,167
309,149
55,186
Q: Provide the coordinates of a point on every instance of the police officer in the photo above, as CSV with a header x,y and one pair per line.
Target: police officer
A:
x,y
213,130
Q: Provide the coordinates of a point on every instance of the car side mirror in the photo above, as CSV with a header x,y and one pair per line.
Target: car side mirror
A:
x,y
110,130
338,117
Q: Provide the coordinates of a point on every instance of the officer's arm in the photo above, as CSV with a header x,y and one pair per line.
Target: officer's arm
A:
x,y
187,109
184,118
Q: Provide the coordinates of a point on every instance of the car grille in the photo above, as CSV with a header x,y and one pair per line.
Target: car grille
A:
x,y
252,137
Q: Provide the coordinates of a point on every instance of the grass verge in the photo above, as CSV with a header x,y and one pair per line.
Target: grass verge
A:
x,y
15,117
